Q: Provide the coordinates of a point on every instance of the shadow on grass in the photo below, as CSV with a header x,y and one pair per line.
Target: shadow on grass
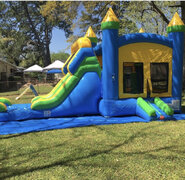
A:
x,y
8,172
13,136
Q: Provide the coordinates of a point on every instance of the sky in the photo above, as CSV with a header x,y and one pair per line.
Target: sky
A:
x,y
58,41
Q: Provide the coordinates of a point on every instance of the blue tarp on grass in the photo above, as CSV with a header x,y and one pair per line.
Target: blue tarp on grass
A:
x,y
26,126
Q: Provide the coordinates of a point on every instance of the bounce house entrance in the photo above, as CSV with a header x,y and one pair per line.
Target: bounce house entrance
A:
x,y
145,70
133,78
159,73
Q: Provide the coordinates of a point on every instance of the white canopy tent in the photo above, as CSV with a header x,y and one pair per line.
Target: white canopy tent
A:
x,y
34,68
55,65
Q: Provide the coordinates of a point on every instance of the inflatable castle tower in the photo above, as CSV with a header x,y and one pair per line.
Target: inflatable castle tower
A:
x,y
140,65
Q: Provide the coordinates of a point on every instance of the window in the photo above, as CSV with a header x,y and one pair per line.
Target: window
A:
x,y
159,77
3,76
133,78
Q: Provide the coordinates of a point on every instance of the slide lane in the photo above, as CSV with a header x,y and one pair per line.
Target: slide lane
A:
x,y
59,84
72,61
82,100
89,64
53,91
55,99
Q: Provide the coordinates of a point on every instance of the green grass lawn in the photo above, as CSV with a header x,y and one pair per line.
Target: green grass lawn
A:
x,y
154,150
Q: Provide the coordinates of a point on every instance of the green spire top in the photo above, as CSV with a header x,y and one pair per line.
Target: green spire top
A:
x,y
176,24
91,35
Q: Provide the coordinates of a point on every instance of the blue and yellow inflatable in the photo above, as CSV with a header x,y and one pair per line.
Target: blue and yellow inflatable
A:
x,y
135,74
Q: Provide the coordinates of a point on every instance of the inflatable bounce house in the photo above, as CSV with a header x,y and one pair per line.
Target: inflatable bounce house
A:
x,y
138,75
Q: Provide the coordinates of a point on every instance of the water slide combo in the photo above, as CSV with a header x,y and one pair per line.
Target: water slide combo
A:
x,y
134,76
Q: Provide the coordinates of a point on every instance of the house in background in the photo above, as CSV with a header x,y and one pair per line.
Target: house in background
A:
x,y
6,70
11,76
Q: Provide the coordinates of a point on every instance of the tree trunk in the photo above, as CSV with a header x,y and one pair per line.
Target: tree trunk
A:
x,y
46,57
16,62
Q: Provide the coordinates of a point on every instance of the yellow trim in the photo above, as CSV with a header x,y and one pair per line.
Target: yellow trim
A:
x,y
145,53
150,84
71,62
127,95
4,105
90,33
65,64
110,16
54,95
176,20
80,43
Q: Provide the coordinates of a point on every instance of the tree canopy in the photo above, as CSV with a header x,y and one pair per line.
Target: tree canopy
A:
x,y
62,56
153,16
26,29
26,26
